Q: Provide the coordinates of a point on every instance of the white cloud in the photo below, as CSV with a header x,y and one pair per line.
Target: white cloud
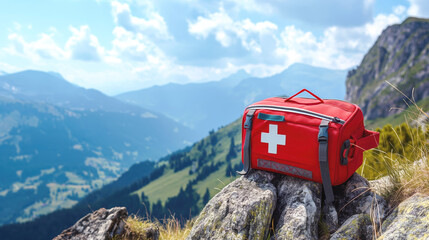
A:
x,y
133,46
44,47
82,45
338,47
154,26
419,8
399,10
226,31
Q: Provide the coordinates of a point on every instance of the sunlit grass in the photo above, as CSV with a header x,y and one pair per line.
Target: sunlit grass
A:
x,y
402,158
169,229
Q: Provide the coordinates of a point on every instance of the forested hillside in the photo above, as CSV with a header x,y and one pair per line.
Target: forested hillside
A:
x,y
179,184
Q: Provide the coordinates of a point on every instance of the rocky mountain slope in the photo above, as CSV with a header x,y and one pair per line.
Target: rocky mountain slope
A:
x,y
263,203
401,56
205,106
58,142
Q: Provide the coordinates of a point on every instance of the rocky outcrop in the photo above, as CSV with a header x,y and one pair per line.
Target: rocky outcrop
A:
x,y
410,220
100,225
298,209
265,205
400,56
242,210
285,207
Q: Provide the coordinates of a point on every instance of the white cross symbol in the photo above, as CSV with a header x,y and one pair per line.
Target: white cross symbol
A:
x,y
273,139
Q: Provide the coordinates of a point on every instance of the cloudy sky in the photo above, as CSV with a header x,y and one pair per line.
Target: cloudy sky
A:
x,y
117,46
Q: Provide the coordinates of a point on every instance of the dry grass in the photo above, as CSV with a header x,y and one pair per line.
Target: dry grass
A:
x,y
138,228
407,165
405,179
172,229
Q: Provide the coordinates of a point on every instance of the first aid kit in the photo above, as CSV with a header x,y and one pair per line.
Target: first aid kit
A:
x,y
321,140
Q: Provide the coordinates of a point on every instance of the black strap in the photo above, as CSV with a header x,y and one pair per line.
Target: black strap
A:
x,y
323,161
246,148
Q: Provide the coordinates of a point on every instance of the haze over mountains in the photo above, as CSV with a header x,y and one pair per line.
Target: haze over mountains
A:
x,y
60,141
204,106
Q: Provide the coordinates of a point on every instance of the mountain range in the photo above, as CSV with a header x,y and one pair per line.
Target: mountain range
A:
x,y
60,141
206,106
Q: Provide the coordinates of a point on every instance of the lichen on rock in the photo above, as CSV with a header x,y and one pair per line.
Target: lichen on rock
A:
x,y
102,224
298,208
358,226
242,210
410,220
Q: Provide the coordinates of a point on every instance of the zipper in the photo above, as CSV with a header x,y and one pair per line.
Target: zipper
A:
x,y
298,111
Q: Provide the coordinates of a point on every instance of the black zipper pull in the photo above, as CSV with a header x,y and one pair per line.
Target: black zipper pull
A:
x,y
336,120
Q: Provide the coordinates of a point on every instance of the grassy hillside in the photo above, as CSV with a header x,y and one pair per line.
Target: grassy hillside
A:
x,y
211,150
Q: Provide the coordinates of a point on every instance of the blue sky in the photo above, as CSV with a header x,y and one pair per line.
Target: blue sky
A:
x,y
117,46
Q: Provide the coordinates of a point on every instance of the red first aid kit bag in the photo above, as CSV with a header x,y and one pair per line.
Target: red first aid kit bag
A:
x,y
321,140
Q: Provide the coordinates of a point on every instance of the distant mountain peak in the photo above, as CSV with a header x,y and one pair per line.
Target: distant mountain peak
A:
x,y
52,88
235,78
414,19
240,73
306,67
56,74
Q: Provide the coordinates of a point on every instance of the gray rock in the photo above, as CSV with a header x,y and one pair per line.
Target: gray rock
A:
x,y
355,196
100,225
379,185
298,209
358,226
410,220
241,210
